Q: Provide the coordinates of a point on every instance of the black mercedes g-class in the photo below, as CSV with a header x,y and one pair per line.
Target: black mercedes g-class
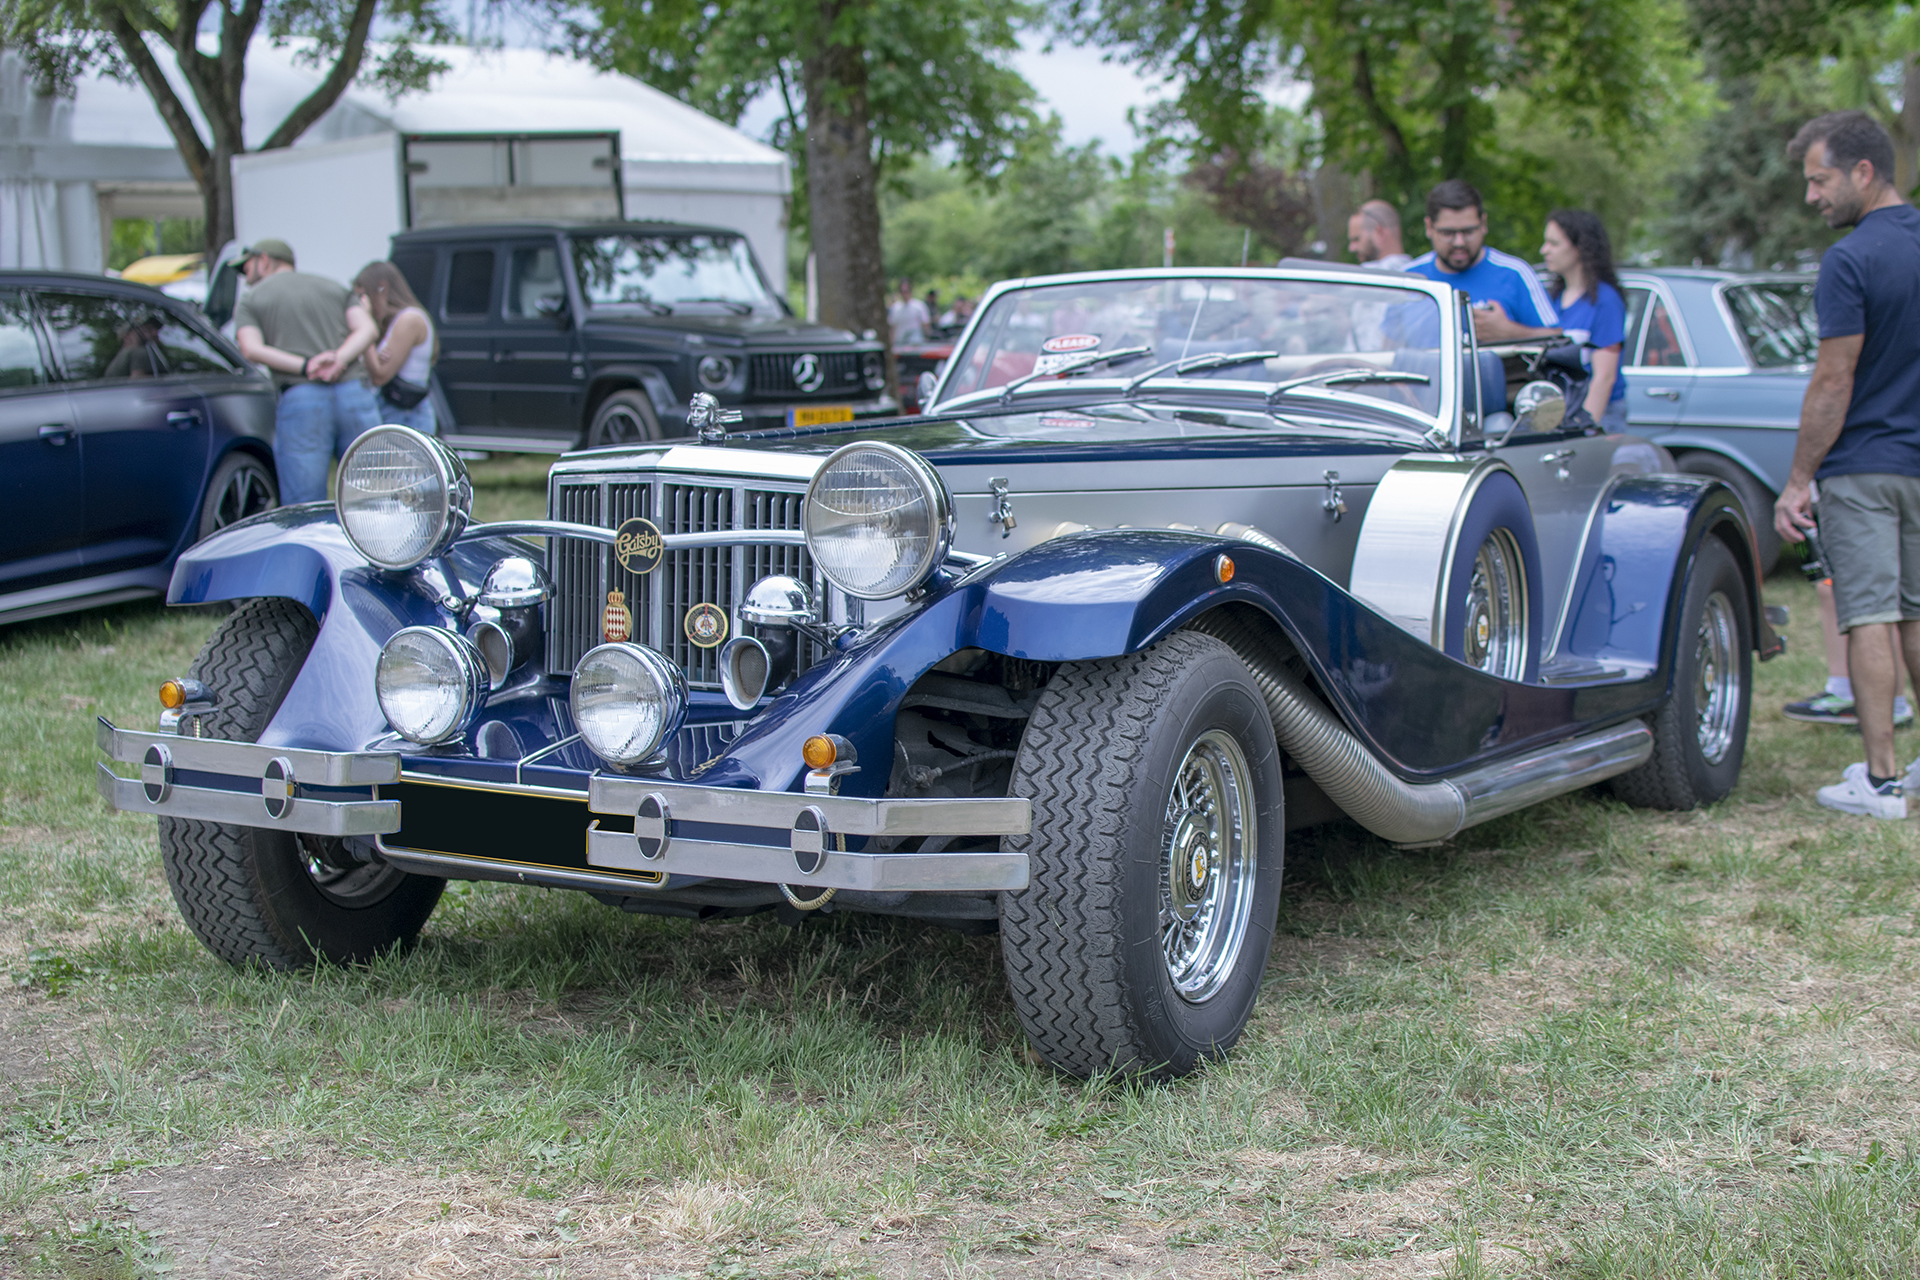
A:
x,y
567,335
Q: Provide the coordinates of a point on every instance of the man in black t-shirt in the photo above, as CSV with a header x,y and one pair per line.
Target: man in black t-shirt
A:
x,y
1860,435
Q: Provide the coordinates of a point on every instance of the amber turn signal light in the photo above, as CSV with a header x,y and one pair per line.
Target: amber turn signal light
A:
x,y
818,751
173,695
1223,569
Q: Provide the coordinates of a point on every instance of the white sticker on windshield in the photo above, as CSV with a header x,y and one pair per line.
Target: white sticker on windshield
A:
x,y
1064,347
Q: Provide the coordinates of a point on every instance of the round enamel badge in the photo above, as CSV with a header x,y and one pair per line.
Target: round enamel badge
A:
x,y
637,546
706,625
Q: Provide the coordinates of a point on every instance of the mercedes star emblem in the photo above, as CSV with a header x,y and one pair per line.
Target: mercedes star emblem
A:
x,y
807,373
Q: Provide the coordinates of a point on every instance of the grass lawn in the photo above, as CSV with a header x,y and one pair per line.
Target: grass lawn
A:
x,y
1582,1041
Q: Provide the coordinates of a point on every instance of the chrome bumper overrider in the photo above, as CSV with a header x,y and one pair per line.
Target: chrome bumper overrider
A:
x,y
803,834
812,853
274,772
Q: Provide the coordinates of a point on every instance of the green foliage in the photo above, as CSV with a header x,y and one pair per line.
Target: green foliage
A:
x,y
136,238
936,75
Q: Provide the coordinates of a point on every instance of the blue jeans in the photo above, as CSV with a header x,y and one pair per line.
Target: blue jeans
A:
x,y
1615,418
314,424
420,417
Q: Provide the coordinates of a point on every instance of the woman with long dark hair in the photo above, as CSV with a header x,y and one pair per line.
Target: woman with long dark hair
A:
x,y
400,360
1592,312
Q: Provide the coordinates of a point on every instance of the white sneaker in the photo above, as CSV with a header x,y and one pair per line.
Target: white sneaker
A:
x,y
1911,782
1854,794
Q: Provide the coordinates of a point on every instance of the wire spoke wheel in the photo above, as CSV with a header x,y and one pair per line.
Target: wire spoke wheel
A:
x,y
1207,866
1495,639
1717,696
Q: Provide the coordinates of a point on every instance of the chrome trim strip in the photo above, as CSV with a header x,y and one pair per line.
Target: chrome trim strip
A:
x,y
453,864
499,788
774,864
249,760
848,815
248,809
594,533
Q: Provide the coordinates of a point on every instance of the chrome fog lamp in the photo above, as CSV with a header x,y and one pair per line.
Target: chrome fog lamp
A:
x,y
403,497
429,682
779,601
626,701
877,519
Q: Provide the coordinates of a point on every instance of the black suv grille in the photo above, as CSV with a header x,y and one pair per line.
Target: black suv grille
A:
x,y
585,572
772,374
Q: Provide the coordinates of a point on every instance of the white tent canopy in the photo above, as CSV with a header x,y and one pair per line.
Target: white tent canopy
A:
x,y
678,164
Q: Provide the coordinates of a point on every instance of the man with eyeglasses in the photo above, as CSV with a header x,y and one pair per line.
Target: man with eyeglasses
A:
x,y
1509,303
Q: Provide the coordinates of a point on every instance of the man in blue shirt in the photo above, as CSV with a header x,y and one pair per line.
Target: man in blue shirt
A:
x,y
1860,436
1509,302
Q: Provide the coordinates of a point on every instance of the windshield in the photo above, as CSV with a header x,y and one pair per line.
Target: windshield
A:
x,y
1316,327
696,271
1776,318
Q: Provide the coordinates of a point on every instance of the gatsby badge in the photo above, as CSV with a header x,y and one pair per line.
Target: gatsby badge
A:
x,y
616,624
706,625
637,546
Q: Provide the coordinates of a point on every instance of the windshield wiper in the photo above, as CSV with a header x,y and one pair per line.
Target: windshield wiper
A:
x,y
655,308
1194,364
1344,376
1074,364
734,305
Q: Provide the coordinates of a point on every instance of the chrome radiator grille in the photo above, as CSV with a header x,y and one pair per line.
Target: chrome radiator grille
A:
x,y
585,572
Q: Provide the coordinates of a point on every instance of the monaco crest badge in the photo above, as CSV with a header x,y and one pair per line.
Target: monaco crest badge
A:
x,y
616,624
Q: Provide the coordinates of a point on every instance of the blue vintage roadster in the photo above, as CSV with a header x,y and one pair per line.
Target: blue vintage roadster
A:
x,y
1178,561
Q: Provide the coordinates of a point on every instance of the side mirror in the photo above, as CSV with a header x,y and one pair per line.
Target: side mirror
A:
x,y
552,306
1538,409
923,390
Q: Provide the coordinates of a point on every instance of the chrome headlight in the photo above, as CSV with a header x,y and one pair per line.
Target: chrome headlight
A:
x,y
873,371
626,701
429,682
877,519
403,497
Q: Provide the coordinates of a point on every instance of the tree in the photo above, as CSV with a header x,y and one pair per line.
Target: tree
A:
x,y
63,38
1406,90
866,85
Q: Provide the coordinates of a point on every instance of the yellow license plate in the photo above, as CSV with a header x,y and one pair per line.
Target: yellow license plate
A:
x,y
818,415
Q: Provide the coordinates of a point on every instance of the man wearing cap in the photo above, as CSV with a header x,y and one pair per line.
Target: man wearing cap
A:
x,y
284,321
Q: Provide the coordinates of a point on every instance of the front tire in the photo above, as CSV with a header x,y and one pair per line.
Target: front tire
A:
x,y
1156,854
623,418
274,898
1700,733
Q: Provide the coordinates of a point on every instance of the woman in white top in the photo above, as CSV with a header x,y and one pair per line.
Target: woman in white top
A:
x,y
400,362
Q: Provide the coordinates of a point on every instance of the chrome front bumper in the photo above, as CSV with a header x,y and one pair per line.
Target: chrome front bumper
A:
x,y
802,837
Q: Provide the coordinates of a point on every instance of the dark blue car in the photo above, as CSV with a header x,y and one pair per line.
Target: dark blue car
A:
x,y
129,431
1177,562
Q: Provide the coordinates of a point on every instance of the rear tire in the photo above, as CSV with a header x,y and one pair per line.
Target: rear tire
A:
x,y
271,897
1754,496
1155,857
1700,733
623,418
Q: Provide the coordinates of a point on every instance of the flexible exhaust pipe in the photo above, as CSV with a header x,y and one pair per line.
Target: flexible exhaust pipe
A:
x,y
1417,813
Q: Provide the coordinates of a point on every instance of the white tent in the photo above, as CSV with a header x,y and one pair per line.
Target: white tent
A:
x,y
68,167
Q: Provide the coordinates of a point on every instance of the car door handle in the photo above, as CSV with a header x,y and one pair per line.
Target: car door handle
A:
x,y
1664,393
56,433
1557,455
183,419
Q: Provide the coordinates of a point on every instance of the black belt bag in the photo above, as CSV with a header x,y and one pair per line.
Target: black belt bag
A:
x,y
402,394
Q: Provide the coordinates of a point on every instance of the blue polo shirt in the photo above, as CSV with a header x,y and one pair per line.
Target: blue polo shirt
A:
x,y
1597,322
1497,277
1870,284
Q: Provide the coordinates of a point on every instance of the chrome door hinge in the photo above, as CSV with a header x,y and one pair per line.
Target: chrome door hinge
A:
x,y
1334,503
1002,513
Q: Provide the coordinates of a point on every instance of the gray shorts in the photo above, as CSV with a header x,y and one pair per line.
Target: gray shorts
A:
x,y
1870,528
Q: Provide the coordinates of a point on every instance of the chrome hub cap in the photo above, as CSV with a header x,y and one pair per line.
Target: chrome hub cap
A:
x,y
1495,636
1207,866
1716,694
340,877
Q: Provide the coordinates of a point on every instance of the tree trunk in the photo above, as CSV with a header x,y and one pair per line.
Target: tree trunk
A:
x,y
1906,130
843,195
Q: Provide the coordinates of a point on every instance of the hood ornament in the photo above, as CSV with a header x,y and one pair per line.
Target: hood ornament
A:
x,y
706,419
